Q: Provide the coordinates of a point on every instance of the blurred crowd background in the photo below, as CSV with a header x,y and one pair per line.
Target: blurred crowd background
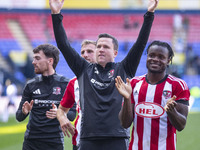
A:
x,y
25,24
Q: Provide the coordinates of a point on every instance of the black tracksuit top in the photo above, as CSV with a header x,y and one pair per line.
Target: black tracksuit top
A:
x,y
100,101
44,90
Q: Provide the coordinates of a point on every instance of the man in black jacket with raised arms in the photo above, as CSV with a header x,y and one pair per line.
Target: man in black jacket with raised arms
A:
x,y
100,101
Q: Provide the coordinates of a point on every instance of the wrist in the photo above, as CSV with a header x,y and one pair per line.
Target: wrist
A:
x,y
127,98
24,112
55,12
60,117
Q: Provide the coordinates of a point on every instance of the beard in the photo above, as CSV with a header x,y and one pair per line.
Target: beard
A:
x,y
37,71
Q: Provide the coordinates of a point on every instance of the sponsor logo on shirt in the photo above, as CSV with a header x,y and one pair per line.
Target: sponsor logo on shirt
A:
x,y
45,103
37,91
167,94
149,110
99,84
56,90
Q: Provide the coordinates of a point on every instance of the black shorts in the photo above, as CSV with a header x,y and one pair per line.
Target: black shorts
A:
x,y
33,144
105,144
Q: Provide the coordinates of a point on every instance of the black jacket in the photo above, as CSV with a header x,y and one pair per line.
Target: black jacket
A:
x,y
100,101
44,91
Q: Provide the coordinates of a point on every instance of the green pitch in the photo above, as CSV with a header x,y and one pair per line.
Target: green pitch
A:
x,y
188,139
12,133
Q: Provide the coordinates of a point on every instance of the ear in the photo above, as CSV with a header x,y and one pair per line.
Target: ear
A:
x,y
115,53
169,60
50,61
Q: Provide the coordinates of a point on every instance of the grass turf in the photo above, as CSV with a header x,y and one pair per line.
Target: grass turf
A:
x,y
188,139
12,133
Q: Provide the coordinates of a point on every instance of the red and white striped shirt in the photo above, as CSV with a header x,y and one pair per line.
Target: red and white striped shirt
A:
x,y
71,96
152,129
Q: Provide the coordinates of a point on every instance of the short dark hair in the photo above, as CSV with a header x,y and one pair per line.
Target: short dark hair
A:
x,y
163,44
114,40
50,51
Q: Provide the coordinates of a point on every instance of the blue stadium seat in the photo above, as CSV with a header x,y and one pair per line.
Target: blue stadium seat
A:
x,y
196,48
36,43
192,80
63,68
6,45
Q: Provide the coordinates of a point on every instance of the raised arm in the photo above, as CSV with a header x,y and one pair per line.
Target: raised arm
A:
x,y
126,112
75,62
132,60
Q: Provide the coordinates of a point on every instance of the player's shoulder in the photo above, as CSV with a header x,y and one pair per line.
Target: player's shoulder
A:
x,y
35,79
61,78
138,78
73,79
177,81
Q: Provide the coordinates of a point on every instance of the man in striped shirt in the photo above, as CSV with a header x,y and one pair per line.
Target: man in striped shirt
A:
x,y
156,103
71,94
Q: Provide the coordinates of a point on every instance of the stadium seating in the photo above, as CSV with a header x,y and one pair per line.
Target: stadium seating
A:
x,y
7,45
38,29
7,41
194,30
192,80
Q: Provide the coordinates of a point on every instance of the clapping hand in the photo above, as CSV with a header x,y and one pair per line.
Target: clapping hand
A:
x,y
51,114
171,103
27,107
124,89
